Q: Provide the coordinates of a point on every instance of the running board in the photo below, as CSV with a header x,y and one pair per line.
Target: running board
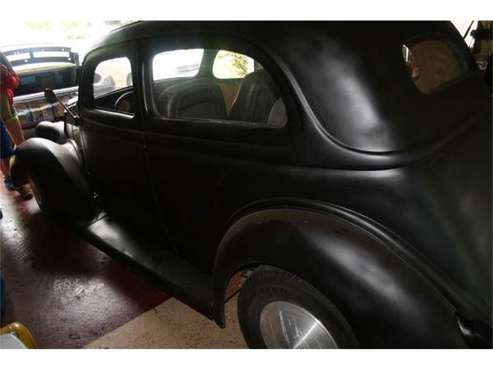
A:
x,y
168,271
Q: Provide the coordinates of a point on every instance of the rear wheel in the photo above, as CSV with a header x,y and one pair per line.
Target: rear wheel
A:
x,y
277,309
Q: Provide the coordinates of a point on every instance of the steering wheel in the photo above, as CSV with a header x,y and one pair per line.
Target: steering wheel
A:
x,y
125,103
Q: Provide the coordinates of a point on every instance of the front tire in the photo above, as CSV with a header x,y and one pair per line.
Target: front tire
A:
x,y
39,198
277,309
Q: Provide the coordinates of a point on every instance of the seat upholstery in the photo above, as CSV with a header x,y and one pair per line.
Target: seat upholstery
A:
x,y
256,97
197,98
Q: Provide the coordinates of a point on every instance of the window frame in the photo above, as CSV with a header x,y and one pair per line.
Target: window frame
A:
x,y
214,129
86,93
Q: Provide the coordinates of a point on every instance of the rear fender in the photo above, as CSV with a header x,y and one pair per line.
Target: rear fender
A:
x,y
387,302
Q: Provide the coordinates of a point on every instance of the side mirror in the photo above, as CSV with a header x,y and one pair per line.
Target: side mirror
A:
x,y
51,98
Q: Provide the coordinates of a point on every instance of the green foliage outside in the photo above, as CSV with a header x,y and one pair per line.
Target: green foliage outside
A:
x,y
232,65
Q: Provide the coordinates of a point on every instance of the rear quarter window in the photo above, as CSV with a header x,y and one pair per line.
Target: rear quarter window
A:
x,y
432,64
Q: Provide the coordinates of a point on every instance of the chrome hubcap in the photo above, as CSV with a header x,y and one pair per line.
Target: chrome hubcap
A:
x,y
287,325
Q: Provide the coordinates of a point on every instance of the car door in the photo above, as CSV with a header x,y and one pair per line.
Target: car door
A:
x,y
199,161
112,137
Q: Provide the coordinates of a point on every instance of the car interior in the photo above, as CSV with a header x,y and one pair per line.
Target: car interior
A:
x,y
241,94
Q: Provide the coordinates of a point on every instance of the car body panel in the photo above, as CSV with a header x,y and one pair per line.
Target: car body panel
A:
x,y
387,296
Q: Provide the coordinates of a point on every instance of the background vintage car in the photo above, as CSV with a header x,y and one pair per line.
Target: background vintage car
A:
x,y
40,67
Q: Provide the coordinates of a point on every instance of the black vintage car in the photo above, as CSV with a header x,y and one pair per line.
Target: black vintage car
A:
x,y
343,168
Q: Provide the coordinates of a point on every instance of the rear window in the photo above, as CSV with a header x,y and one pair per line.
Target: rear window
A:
x,y
35,81
432,64
231,65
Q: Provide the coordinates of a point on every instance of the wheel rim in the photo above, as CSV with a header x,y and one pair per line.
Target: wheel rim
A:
x,y
287,325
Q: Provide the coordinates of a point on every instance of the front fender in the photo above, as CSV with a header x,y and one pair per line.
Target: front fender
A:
x,y
387,302
53,131
56,174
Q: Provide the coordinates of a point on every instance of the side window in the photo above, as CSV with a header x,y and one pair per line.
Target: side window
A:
x,y
112,83
112,75
432,64
219,85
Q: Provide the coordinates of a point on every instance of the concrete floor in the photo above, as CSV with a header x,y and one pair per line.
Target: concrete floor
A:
x,y
174,325
71,295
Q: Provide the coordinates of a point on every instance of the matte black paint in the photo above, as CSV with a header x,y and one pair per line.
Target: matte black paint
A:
x,y
60,185
380,294
377,195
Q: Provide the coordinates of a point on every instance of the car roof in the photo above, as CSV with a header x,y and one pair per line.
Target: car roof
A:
x,y
264,29
351,74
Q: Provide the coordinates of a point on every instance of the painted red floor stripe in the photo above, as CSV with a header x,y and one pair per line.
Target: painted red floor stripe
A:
x,y
64,290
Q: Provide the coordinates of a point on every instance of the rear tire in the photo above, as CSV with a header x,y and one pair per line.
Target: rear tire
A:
x,y
277,309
